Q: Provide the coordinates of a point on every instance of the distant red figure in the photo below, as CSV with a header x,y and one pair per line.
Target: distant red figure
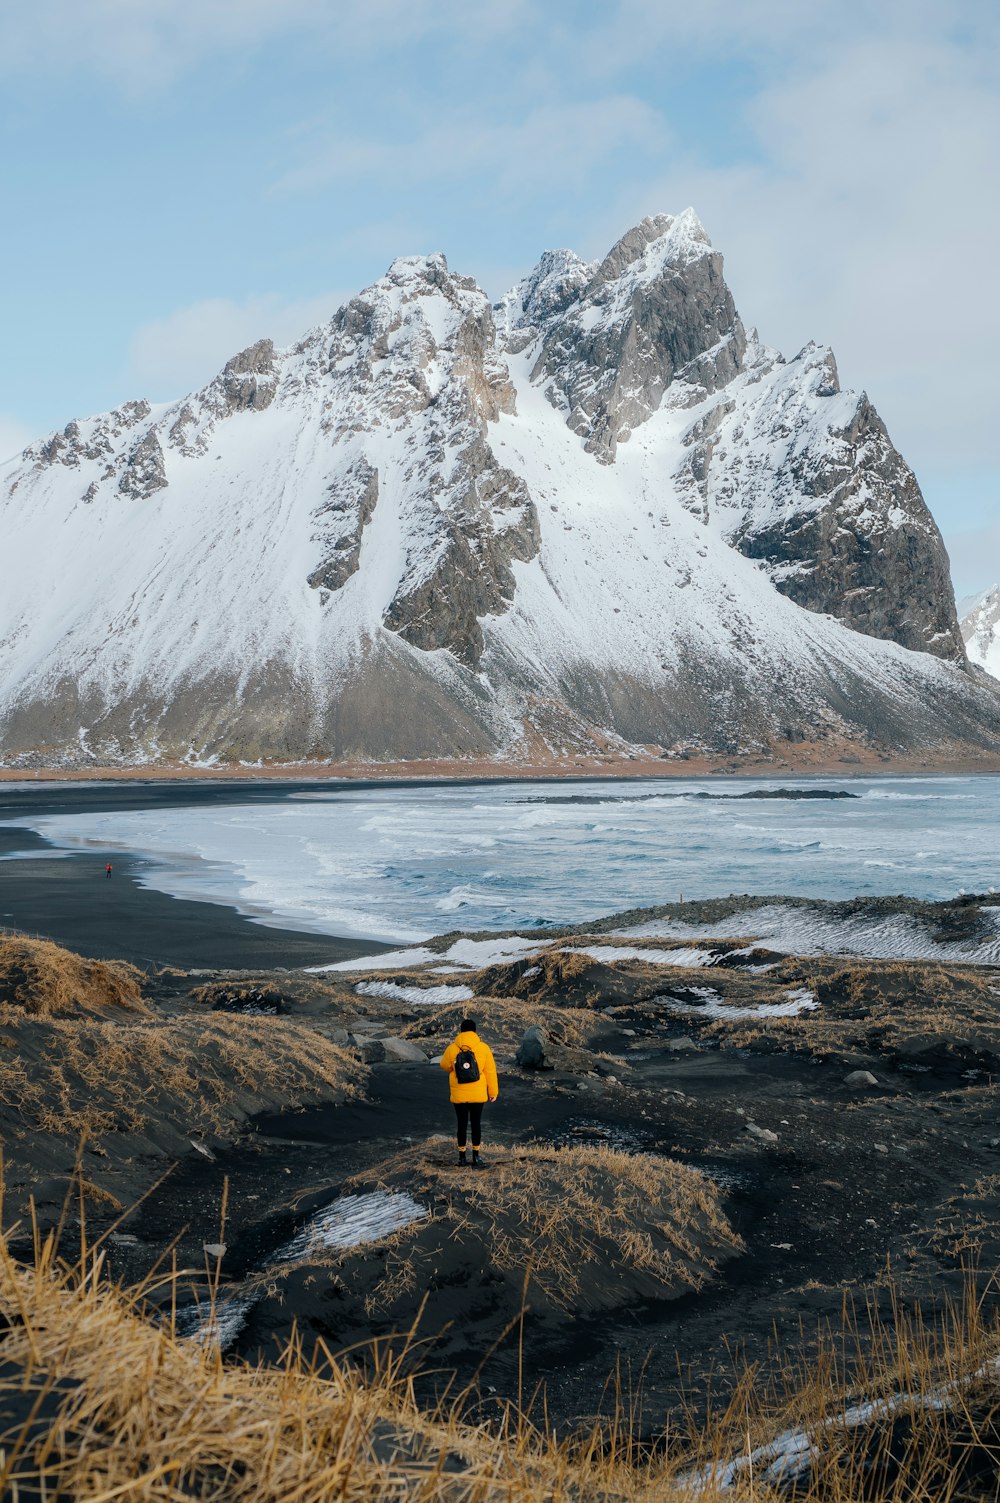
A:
x,y
108,869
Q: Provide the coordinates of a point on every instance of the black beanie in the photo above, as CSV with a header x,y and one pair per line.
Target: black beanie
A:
x,y
468,1025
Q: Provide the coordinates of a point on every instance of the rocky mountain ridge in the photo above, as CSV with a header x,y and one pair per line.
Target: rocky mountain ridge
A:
x,y
598,515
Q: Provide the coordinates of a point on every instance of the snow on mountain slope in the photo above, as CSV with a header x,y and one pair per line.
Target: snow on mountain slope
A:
x,y
981,630
421,531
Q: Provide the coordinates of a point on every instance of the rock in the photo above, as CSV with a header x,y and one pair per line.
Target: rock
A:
x,y
144,471
214,1249
531,1053
860,1080
372,1051
403,1052
206,1153
682,1046
881,1147
340,1036
764,1134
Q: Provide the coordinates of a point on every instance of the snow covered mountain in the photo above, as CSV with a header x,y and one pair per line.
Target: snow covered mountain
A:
x,y
981,630
599,514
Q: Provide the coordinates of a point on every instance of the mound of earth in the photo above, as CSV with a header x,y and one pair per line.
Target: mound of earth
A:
x,y
99,1084
576,1231
43,980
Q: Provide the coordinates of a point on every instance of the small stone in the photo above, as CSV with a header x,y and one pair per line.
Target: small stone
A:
x,y
880,1147
683,1046
206,1153
629,1033
214,1249
763,1133
860,1080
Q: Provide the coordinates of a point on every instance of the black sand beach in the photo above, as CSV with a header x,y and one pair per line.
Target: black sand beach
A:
x,y
67,898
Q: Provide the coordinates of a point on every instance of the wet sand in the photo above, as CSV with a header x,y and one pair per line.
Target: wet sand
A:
x,y
69,899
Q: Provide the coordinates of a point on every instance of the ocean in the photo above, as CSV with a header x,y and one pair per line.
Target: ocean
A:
x,y
400,864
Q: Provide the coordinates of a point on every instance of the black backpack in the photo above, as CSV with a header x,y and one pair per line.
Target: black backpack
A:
x,y
466,1066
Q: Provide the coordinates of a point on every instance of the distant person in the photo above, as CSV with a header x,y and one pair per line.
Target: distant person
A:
x,y
473,1081
107,869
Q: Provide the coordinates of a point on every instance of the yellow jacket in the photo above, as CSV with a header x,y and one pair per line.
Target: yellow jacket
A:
x,y
486,1088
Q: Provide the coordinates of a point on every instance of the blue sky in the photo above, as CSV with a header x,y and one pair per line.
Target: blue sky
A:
x,y
182,176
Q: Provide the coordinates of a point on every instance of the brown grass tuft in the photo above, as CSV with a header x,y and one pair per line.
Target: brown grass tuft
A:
x,y
44,980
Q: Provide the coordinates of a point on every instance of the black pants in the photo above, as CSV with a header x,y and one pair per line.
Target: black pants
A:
x,y
466,1112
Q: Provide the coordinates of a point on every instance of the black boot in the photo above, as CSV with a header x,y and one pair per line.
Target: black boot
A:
x,y
477,1162
461,1155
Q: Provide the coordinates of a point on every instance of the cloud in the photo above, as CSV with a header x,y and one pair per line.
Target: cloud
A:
x,y
553,144
143,42
864,216
176,354
14,436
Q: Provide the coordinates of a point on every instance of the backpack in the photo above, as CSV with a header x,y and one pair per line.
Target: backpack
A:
x,y
466,1066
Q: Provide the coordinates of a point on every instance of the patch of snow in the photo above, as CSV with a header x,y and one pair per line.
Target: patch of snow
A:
x,y
711,1005
682,957
422,996
809,930
352,1221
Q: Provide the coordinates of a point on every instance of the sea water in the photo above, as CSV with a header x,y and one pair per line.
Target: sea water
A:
x,y
402,863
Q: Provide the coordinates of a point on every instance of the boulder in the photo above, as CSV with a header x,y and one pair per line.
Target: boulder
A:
x,y
372,1051
403,1052
763,1134
531,1053
860,1080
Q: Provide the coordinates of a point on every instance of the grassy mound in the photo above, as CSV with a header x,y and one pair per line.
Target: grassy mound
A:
x,y
588,1227
45,981
197,1074
501,1022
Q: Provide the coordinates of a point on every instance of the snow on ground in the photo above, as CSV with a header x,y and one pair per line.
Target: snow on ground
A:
x,y
611,953
350,1221
810,931
464,954
711,1005
423,996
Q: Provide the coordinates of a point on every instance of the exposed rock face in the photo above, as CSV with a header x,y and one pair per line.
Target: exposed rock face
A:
x,y
657,309
981,630
596,517
805,478
421,345
144,470
248,380
341,522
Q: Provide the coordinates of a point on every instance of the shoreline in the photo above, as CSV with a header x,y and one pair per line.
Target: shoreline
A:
x,y
67,898
485,770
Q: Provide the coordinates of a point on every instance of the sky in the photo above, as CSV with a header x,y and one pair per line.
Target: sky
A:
x,y
181,177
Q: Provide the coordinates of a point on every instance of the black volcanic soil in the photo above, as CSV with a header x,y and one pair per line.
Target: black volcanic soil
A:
x,y
825,1183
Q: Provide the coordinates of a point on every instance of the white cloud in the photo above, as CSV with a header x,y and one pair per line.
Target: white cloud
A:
x,y
139,43
866,216
14,436
174,355
557,144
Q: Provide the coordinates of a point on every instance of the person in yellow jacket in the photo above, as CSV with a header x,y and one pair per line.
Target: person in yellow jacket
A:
x,y
473,1081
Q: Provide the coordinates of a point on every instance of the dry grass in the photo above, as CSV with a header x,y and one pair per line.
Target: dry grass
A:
x,y
501,1022
43,980
70,1077
577,1221
112,1407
